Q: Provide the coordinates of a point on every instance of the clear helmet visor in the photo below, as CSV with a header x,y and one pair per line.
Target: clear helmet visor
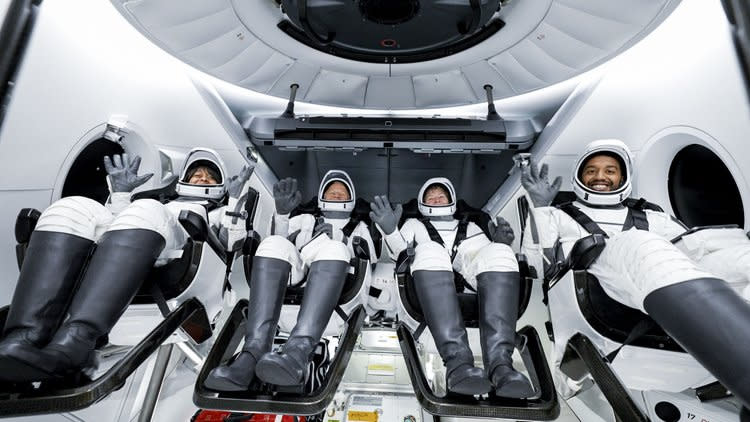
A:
x,y
437,189
603,173
202,175
336,192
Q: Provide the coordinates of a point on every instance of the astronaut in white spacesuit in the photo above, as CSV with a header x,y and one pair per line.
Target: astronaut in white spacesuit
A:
x,y
319,247
690,289
444,245
124,240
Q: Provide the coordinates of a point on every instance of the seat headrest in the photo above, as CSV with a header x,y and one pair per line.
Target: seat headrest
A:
x,y
463,211
361,210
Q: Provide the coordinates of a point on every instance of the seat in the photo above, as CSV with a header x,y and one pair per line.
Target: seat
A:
x,y
543,406
174,299
621,348
314,396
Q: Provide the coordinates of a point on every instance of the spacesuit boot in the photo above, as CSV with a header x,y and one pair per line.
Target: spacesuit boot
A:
x,y
437,297
712,322
268,282
325,280
498,312
122,260
52,265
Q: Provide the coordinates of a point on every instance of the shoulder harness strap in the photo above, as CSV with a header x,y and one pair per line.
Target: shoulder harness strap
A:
x,y
584,220
460,236
432,231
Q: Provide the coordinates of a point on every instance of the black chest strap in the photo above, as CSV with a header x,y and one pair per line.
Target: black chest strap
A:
x,y
581,218
461,229
349,227
636,218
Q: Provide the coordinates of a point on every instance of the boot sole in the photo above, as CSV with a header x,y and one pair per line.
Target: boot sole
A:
x,y
14,370
515,390
223,384
471,386
274,373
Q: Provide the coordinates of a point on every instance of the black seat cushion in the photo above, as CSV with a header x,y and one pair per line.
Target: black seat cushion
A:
x,y
174,277
614,320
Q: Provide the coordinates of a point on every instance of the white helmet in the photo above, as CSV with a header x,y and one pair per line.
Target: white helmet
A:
x,y
209,159
437,210
618,150
336,206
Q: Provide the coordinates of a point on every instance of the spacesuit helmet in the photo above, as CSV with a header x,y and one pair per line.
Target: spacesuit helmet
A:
x,y
437,210
612,148
344,206
210,162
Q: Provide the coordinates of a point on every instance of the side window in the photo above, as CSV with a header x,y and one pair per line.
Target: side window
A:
x,y
87,176
702,190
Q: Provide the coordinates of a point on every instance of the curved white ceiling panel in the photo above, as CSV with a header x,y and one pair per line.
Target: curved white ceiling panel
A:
x,y
543,42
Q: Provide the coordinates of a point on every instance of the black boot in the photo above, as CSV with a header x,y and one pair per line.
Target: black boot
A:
x,y
712,323
498,312
122,260
325,280
437,297
52,265
268,282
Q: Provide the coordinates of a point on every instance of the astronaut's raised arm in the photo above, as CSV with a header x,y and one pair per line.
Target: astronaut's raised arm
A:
x,y
541,237
399,239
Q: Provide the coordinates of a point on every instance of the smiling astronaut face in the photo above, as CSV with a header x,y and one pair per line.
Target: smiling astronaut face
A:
x,y
336,191
602,173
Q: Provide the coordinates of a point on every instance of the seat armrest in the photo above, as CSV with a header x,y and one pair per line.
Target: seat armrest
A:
x,y
404,260
585,251
361,248
25,224
195,225
198,230
701,228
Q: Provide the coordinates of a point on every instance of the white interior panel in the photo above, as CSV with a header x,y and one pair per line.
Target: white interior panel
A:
x,y
446,89
511,69
164,14
198,31
270,70
567,50
548,41
480,74
382,90
537,62
298,73
245,63
601,32
328,85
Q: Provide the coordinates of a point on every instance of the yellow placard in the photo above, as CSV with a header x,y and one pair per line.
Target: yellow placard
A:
x,y
380,367
355,415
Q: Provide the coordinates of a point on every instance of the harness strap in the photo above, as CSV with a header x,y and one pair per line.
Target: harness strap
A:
x,y
584,220
638,331
461,230
636,218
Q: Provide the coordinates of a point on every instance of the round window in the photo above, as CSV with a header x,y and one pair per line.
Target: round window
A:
x,y
702,190
87,176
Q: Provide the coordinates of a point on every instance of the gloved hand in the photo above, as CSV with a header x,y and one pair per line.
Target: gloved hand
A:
x,y
537,185
123,174
501,231
286,196
236,183
322,227
384,215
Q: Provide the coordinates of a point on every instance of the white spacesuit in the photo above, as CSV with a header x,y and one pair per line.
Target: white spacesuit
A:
x,y
444,244
319,247
679,286
124,240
